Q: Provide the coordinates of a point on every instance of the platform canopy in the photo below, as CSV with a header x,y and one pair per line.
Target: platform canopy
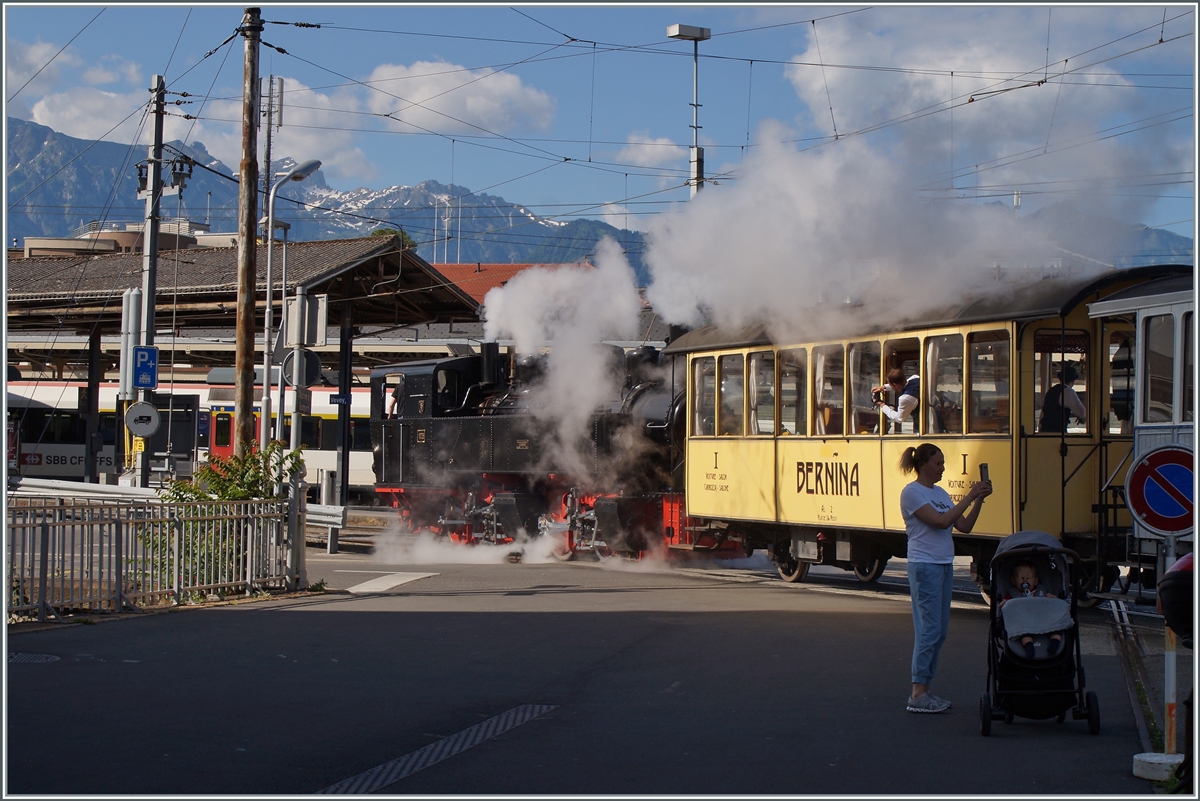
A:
x,y
384,287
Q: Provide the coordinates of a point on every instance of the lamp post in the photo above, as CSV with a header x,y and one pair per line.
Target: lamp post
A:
x,y
694,35
298,173
285,226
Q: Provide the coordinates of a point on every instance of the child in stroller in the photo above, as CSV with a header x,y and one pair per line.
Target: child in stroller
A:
x,y
1024,580
1034,658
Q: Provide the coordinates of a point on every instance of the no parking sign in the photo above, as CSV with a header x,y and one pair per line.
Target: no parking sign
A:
x,y
1159,490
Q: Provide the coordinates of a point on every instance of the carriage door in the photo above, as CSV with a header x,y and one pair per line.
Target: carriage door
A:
x,y
1058,480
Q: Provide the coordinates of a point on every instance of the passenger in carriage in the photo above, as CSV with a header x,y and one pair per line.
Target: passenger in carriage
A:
x,y
908,391
1062,402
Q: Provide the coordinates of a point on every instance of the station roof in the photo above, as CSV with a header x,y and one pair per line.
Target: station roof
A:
x,y
385,285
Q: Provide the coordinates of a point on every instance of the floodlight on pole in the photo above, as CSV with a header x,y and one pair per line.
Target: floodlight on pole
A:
x,y
297,173
694,35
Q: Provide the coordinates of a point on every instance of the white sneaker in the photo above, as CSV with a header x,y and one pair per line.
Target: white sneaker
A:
x,y
928,703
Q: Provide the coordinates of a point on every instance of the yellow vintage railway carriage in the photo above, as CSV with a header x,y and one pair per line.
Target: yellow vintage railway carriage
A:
x,y
786,450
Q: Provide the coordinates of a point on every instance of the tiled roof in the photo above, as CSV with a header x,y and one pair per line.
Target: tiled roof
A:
x,y
477,278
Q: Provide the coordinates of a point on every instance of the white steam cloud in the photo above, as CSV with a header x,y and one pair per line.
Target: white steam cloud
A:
x,y
570,310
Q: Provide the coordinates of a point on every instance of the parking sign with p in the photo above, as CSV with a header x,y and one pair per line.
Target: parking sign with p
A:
x,y
145,367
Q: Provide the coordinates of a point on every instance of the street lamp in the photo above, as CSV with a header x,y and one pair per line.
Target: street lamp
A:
x,y
695,36
298,173
285,226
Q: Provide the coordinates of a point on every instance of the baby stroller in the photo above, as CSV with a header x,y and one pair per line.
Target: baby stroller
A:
x,y
1051,683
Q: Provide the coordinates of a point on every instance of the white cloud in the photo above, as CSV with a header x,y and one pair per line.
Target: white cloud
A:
x,y
646,151
621,217
452,99
21,63
88,113
112,70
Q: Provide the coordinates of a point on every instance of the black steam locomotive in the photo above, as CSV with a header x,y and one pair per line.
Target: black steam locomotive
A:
x,y
465,447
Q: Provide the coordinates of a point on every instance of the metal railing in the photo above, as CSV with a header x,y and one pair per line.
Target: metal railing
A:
x,y
98,555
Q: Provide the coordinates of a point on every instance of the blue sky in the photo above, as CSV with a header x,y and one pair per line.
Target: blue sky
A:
x,y
585,109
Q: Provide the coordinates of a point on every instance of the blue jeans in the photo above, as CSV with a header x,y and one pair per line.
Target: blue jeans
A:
x,y
930,586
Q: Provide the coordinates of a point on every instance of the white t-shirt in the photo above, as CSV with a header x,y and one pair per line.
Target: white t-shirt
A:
x,y
926,543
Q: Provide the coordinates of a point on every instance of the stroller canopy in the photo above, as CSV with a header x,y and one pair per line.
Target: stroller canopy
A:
x,y
1024,540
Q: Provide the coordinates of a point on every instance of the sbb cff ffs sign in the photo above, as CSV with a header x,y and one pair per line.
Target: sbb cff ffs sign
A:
x,y
1159,490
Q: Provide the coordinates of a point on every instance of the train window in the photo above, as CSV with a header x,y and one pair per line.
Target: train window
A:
x,y
944,395
988,369
829,381
793,375
903,355
394,394
733,395
1158,385
762,393
360,434
447,390
865,361
203,421
704,397
1060,358
1120,382
1189,394
222,436
310,431
108,428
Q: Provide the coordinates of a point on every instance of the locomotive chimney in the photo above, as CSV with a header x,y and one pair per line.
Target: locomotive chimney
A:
x,y
489,363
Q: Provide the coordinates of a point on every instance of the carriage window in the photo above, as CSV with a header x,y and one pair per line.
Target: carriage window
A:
x,y
1189,395
988,413
222,430
865,363
1159,385
1121,382
944,395
1060,379
704,397
903,355
793,374
732,395
762,393
829,377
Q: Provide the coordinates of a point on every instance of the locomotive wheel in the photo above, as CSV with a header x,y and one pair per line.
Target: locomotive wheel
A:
x,y
792,570
871,570
563,552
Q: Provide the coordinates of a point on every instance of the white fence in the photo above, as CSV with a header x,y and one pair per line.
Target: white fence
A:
x,y
116,554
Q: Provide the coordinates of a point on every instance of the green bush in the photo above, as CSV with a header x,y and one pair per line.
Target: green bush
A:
x,y
257,474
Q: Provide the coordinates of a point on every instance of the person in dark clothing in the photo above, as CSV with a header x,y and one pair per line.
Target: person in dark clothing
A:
x,y
1062,402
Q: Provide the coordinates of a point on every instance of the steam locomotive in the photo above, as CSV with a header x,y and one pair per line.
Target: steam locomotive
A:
x,y
465,447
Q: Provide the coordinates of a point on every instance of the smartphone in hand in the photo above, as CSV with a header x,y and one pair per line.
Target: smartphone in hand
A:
x,y
983,472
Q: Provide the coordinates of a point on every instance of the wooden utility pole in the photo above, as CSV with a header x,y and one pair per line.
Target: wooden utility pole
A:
x,y
243,398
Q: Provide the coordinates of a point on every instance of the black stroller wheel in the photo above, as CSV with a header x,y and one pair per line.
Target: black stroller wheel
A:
x,y
1060,717
985,714
1008,717
1093,713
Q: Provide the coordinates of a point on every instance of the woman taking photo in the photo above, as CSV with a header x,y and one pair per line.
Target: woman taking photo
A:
x,y
929,517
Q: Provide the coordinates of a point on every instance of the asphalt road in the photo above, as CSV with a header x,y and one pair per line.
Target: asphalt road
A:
x,y
587,678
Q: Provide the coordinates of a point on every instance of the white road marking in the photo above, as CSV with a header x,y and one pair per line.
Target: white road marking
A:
x,y
388,773
385,583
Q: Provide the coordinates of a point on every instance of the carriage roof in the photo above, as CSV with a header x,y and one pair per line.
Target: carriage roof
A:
x,y
1031,301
